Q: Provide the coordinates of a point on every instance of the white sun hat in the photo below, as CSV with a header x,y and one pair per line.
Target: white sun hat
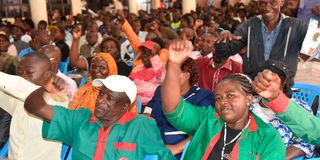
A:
x,y
118,83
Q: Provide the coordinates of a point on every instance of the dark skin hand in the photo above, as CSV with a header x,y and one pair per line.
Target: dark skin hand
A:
x,y
179,51
226,36
74,57
267,85
121,17
36,105
315,10
293,152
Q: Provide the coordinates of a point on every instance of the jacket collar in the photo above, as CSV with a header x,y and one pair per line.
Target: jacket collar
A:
x,y
127,117
227,65
252,126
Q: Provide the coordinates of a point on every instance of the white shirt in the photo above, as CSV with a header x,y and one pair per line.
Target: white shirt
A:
x,y
26,142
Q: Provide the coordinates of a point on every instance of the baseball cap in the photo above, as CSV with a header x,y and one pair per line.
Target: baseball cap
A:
x,y
118,83
147,44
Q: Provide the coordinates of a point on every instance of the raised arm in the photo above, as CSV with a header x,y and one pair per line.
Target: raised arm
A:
x,y
306,126
131,35
35,103
74,56
179,51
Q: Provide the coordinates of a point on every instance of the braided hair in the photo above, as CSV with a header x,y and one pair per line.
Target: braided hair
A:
x,y
244,81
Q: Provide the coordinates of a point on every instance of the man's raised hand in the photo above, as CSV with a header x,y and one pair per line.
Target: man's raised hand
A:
x,y
226,36
267,85
77,32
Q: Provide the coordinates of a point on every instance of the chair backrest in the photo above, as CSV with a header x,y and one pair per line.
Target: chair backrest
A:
x,y
66,152
63,67
310,94
4,150
139,105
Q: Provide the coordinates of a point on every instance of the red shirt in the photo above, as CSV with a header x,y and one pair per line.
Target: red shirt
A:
x,y
210,76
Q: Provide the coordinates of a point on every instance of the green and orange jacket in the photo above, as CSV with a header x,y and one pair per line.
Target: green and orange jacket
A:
x,y
258,141
303,124
132,136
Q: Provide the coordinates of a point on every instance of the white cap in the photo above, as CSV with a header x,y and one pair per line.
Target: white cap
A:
x,y
118,83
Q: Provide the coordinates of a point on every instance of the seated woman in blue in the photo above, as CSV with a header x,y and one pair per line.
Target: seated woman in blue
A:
x,y
173,138
295,147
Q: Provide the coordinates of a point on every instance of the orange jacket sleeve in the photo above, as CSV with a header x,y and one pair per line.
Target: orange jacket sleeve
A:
x,y
132,37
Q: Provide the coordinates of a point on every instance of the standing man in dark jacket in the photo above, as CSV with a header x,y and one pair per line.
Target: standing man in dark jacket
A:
x,y
270,35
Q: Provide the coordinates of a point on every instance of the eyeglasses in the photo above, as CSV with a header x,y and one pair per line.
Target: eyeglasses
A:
x,y
273,4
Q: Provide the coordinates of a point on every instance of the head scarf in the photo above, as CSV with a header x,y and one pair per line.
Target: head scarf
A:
x,y
86,96
112,66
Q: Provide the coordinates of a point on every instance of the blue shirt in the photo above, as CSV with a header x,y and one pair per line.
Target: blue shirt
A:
x,y
269,38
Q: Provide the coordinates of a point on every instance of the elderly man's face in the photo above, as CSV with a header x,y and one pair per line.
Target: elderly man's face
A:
x,y
110,105
270,9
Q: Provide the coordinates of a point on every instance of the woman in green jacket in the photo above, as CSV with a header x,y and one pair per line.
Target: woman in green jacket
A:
x,y
305,125
230,131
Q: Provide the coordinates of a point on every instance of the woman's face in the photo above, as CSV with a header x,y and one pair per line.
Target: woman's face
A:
x,y
99,68
145,56
111,48
232,103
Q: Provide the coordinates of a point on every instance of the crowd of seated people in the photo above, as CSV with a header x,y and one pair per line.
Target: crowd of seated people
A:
x,y
219,77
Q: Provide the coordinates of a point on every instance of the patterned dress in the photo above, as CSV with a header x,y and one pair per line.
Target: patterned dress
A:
x,y
268,116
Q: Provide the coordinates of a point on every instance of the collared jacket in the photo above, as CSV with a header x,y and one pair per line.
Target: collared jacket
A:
x,y
132,136
209,76
258,141
286,48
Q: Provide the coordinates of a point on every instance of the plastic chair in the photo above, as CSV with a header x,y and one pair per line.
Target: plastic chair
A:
x,y
63,67
83,81
4,150
139,105
303,158
66,152
310,94
184,150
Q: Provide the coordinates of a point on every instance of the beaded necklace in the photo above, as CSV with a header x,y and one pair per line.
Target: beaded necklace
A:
x,y
234,139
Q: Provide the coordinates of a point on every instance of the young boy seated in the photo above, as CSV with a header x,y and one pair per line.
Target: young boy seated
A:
x,y
212,70
26,141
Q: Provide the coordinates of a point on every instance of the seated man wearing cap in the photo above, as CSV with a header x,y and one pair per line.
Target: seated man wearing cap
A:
x,y
296,147
110,133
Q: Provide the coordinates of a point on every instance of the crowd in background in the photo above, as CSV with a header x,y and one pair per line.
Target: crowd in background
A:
x,y
84,47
